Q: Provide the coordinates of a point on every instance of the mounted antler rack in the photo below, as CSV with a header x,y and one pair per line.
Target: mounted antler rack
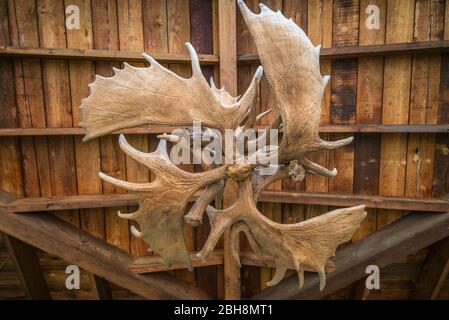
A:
x,y
157,96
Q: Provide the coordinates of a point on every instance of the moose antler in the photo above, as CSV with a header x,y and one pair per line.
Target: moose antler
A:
x,y
305,245
162,201
292,68
155,95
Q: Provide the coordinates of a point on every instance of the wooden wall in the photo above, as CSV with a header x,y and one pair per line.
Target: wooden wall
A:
x,y
370,90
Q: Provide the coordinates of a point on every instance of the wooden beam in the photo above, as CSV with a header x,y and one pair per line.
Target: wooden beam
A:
x,y
433,272
94,255
371,50
11,132
346,200
79,131
100,55
228,77
71,202
325,199
366,128
28,268
398,239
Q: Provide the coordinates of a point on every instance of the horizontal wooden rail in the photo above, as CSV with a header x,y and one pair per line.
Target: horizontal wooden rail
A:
x,y
360,51
346,200
80,131
161,129
101,55
313,198
385,128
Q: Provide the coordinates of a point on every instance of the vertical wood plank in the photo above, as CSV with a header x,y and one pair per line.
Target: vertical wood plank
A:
x,y
131,38
30,99
319,27
87,154
429,24
178,15
10,171
51,26
105,36
201,34
369,111
344,90
228,78
155,37
440,185
397,72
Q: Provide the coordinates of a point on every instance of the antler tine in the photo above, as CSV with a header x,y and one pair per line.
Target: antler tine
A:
x,y
162,202
330,145
195,215
300,246
315,168
235,231
286,54
130,186
150,160
196,68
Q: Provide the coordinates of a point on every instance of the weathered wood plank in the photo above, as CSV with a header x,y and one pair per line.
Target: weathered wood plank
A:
x,y
201,35
58,107
396,99
101,55
87,155
368,112
61,239
389,49
331,199
106,36
178,23
30,100
346,128
402,237
228,77
131,38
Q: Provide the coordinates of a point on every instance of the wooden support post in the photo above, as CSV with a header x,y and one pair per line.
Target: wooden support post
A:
x,y
103,288
433,273
28,268
228,78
